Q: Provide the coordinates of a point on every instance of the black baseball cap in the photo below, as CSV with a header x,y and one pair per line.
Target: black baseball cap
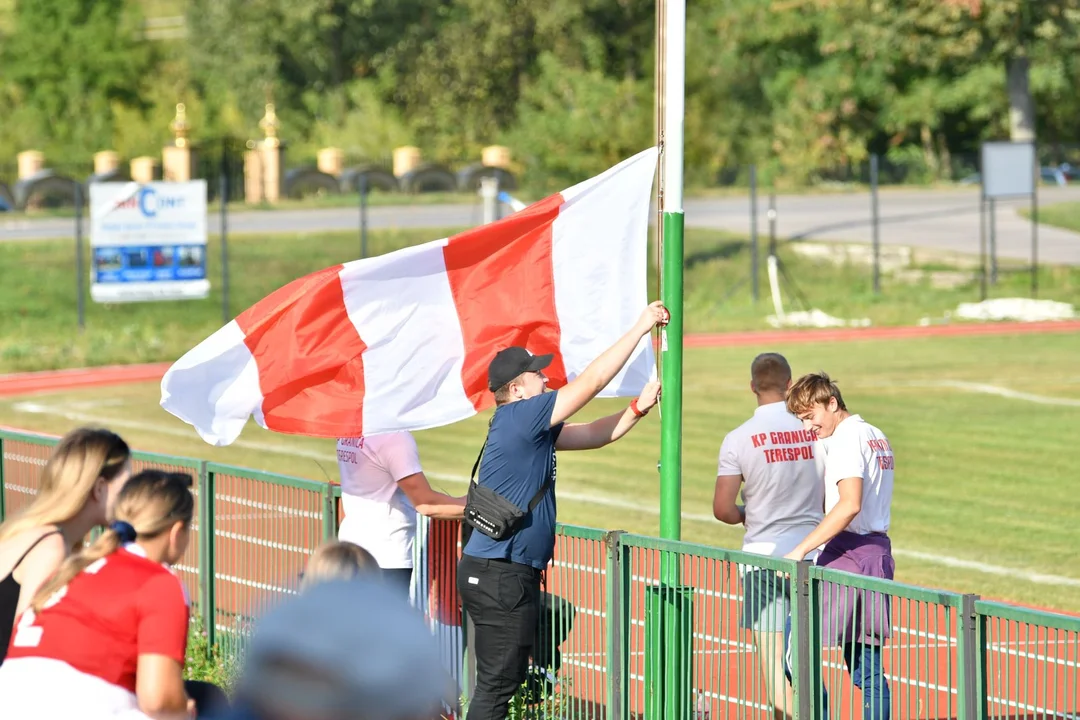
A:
x,y
511,362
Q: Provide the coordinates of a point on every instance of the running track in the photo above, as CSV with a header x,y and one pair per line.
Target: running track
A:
x,y
55,380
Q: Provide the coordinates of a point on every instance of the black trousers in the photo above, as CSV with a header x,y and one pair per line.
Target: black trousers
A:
x,y
502,600
400,579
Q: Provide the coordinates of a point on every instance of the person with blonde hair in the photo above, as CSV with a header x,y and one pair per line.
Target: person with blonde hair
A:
x,y
337,560
78,485
106,637
859,475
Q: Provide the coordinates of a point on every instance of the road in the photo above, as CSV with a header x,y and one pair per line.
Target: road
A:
x,y
945,220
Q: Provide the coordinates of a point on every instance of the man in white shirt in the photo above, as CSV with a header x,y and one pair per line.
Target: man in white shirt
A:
x,y
859,469
777,464
383,486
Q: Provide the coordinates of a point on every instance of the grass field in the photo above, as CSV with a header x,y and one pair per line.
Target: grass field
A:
x,y
38,298
1063,215
982,478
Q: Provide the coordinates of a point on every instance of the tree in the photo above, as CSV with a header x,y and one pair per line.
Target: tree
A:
x,y
67,62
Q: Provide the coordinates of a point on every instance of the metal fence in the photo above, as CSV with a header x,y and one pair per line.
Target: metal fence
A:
x,y
639,627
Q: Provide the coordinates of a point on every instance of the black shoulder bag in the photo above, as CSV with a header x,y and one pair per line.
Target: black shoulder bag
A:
x,y
491,513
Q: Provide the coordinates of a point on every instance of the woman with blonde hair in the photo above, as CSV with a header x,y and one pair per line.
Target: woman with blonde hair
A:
x,y
338,560
106,637
78,485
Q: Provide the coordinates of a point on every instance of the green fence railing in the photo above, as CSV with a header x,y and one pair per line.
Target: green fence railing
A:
x,y
1030,662
615,641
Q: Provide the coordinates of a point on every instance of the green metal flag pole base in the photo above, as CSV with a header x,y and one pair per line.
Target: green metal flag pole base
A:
x,y
669,671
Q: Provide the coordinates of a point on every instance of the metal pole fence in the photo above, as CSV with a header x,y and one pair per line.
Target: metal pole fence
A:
x,y
755,290
875,222
362,189
223,200
80,263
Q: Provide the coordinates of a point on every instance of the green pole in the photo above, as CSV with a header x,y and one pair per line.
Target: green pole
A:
x,y
671,79
671,381
675,612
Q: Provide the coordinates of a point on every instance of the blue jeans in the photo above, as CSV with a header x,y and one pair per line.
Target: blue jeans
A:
x,y
867,673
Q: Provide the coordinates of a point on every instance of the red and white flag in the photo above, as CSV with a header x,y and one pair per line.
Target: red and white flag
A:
x,y
403,341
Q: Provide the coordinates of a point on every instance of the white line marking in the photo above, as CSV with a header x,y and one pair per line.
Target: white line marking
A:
x,y
1007,393
587,498
1034,577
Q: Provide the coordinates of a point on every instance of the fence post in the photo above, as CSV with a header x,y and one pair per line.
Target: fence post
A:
x,y
982,689
362,188
967,656
982,244
800,632
1035,239
754,272
206,551
3,487
80,300
329,512
618,618
811,659
223,199
489,191
876,222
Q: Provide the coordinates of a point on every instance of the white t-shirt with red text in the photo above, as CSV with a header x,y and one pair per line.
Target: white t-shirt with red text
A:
x,y
80,653
378,515
858,449
781,466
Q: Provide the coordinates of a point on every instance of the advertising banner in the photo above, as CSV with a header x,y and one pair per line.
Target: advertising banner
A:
x,y
148,241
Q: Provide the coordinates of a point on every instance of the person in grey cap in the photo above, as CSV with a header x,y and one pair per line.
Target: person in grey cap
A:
x,y
499,580
377,661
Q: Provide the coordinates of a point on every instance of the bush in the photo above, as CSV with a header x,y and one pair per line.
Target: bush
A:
x,y
208,663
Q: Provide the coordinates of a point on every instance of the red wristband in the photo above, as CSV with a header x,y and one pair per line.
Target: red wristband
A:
x,y
636,411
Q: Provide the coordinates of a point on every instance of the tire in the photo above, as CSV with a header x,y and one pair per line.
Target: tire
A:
x,y
469,178
376,177
299,182
55,190
429,178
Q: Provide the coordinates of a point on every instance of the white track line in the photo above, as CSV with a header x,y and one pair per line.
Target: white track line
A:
x,y
1007,393
587,498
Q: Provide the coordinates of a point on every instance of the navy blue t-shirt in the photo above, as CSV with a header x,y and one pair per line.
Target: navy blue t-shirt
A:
x,y
519,456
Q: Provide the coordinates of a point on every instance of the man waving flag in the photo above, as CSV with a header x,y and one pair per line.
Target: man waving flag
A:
x,y
403,341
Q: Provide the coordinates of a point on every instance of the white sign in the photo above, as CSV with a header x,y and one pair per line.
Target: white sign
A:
x,y
148,241
1008,169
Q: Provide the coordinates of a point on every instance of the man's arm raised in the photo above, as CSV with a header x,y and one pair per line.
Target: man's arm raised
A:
x,y
601,371
606,430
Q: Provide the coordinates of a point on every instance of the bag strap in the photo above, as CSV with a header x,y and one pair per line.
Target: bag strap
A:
x,y
540,493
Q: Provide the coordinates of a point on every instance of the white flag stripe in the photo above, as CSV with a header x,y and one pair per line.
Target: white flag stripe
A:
x,y
402,301
605,219
216,386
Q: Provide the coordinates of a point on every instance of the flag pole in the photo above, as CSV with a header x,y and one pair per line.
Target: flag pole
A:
x,y
669,606
671,52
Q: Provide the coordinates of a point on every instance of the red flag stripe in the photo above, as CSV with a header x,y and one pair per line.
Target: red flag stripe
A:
x,y
310,357
503,285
